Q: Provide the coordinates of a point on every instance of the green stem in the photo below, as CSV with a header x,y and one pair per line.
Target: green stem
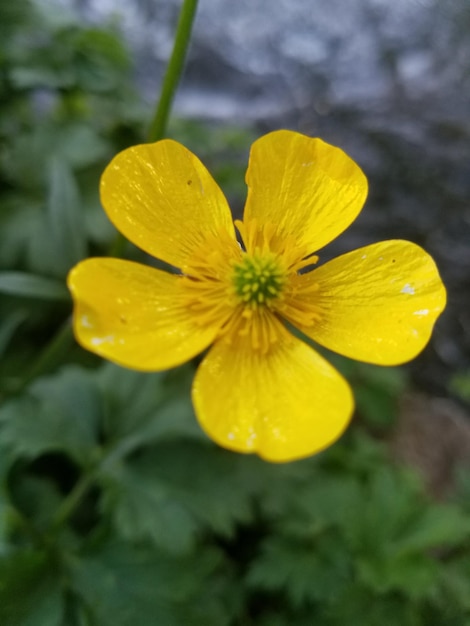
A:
x,y
173,71
103,460
73,499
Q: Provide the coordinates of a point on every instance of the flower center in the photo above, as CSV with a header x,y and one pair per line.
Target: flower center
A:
x,y
258,279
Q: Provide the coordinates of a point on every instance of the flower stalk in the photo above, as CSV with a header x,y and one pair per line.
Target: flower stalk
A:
x,y
174,70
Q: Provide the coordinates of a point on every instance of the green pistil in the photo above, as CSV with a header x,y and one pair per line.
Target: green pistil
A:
x,y
258,279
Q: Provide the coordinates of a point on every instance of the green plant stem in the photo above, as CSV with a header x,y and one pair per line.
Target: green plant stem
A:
x,y
86,481
174,70
73,499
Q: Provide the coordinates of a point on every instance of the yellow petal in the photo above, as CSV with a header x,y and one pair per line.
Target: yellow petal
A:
x,y
162,198
308,188
377,304
134,315
283,405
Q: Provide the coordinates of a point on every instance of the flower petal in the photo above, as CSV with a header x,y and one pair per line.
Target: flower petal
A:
x,y
134,315
162,198
284,405
308,188
378,303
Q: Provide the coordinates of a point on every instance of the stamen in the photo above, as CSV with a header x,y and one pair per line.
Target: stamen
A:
x,y
260,325
246,294
298,305
269,238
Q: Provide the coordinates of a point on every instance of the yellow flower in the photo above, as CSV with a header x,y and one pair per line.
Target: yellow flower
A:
x,y
259,388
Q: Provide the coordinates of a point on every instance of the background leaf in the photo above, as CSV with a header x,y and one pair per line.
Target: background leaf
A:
x,y
32,286
66,218
59,413
118,578
30,594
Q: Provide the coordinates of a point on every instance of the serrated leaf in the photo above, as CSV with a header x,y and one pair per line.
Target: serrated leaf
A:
x,y
216,486
58,413
414,576
305,572
437,526
32,286
124,586
144,408
385,505
144,508
30,593
170,492
66,218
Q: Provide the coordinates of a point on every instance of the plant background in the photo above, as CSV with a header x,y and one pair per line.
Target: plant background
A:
x,y
114,507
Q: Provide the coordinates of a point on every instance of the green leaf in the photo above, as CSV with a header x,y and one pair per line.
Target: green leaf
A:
x,y
142,408
437,526
359,606
5,518
59,413
124,586
34,77
36,497
386,504
32,286
16,223
455,583
171,491
415,576
145,508
66,218
376,405
460,385
377,392
81,146
30,593
42,253
8,327
95,72
306,572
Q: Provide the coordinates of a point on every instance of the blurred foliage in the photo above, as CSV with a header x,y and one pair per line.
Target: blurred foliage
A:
x,y
460,385
114,508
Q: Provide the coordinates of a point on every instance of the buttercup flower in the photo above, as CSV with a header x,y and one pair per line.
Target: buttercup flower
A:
x,y
259,388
